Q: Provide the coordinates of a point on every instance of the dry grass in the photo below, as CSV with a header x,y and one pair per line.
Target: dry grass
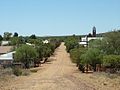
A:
x,y
61,74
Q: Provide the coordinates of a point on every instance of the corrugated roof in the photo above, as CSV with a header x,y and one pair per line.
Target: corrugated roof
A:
x,y
83,43
5,43
7,56
5,49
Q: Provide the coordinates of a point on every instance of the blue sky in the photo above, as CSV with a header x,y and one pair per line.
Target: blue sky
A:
x,y
58,17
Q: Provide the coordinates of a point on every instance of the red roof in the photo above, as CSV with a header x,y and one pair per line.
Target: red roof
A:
x,y
5,49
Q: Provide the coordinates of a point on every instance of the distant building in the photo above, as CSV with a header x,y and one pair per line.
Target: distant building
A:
x,y
30,44
85,40
94,31
7,59
5,49
5,43
45,41
84,43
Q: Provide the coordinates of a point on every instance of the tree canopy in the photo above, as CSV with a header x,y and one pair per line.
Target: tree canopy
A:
x,y
7,35
104,52
15,34
26,54
1,38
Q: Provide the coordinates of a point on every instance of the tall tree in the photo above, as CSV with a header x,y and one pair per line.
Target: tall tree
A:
x,y
33,36
15,34
1,38
7,35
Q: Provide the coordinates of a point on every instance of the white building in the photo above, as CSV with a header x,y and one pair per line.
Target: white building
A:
x,y
5,43
45,41
30,44
7,58
94,38
85,40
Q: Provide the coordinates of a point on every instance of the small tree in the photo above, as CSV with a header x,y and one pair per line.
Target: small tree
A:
x,y
25,54
46,52
91,57
71,43
39,48
76,53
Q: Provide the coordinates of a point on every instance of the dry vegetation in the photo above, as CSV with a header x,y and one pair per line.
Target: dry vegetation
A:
x,y
60,74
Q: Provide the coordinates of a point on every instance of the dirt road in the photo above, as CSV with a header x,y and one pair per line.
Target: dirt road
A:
x,y
59,74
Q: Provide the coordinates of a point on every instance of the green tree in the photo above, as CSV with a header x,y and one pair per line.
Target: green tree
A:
x,y
97,43
15,34
76,53
71,43
111,43
1,38
46,52
112,61
34,41
16,41
40,50
91,57
7,35
33,36
25,54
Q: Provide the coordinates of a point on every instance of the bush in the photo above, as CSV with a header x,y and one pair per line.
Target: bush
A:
x,y
76,53
112,62
91,57
25,72
34,70
26,54
6,71
17,71
71,43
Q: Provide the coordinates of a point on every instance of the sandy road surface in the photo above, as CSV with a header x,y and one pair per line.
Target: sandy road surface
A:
x,y
59,74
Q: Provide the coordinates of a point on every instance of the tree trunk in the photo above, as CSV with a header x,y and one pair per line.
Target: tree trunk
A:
x,y
45,60
86,68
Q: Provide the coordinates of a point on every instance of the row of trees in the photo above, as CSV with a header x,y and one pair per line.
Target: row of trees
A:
x,y
35,53
8,35
14,39
103,53
71,43
32,53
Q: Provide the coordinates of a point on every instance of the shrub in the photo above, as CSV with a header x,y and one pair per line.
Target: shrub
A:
x,y
76,53
34,70
91,57
112,61
17,71
25,54
25,72
71,43
6,71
